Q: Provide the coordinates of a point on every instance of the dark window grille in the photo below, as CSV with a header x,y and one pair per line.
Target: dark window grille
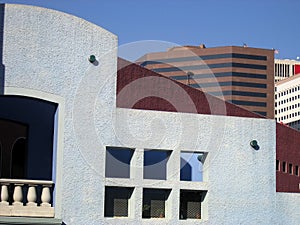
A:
x,y
154,201
190,204
116,201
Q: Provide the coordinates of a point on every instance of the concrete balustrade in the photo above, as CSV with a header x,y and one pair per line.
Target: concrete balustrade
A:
x,y
20,198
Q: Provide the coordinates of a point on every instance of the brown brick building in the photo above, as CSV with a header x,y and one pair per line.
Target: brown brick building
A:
x,y
241,75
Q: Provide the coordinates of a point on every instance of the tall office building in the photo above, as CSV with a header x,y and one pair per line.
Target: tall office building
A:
x,y
285,68
241,75
287,101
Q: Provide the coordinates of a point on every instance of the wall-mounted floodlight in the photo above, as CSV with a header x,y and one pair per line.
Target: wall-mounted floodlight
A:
x,y
201,157
92,58
254,144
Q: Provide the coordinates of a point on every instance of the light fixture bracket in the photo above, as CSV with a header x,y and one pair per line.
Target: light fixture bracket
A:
x,y
254,144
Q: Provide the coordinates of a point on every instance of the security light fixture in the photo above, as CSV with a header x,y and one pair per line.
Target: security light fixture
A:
x,y
92,58
201,157
254,144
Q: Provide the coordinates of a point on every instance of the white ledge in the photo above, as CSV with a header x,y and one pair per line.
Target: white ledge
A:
x,y
27,211
24,181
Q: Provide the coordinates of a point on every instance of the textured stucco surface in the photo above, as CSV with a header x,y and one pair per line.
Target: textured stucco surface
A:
x,y
45,56
287,208
240,180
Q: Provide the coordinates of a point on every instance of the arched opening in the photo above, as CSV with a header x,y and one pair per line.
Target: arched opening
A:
x,y
19,159
27,136
12,138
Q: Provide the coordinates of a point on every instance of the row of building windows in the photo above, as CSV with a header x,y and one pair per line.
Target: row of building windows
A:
x,y
228,83
118,203
205,57
210,66
290,99
287,168
222,74
292,115
118,164
285,109
261,113
283,70
239,93
249,103
286,92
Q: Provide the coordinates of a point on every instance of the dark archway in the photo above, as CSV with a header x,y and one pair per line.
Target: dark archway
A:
x,y
19,159
10,133
27,135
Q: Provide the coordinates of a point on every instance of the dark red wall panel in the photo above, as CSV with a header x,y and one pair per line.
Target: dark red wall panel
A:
x,y
288,151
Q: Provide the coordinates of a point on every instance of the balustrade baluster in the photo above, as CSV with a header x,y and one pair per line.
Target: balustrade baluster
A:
x,y
31,195
18,195
46,196
4,194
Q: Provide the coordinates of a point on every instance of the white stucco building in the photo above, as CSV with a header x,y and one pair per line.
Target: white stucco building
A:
x,y
103,164
287,101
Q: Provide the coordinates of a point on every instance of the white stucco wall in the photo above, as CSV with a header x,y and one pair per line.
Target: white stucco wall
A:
x,y
45,56
287,208
240,180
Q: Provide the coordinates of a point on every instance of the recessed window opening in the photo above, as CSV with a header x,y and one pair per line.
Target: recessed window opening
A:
x,y
117,163
190,204
116,202
284,167
290,168
191,166
297,170
155,164
277,165
154,203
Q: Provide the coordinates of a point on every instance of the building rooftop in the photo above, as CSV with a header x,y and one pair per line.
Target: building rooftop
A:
x,y
287,80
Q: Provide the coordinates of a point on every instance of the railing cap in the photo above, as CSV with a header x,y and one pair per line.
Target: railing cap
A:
x,y
24,181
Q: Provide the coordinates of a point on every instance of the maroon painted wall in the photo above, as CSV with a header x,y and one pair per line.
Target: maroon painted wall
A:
x,y
288,151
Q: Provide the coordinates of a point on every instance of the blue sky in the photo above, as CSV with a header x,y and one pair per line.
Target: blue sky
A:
x,y
258,23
